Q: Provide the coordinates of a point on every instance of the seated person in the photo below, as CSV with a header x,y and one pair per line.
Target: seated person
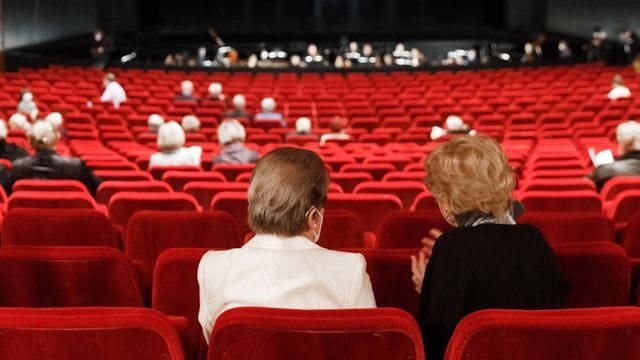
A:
x,y
19,121
239,103
56,119
47,164
338,126
215,93
171,140
618,90
313,58
113,92
190,124
154,121
27,105
268,112
9,151
231,136
628,161
282,265
454,125
303,127
186,91
486,261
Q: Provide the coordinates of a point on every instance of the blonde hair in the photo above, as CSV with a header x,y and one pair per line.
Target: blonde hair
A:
x,y
470,174
285,184
170,136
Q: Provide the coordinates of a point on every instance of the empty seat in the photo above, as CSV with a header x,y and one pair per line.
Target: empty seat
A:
x,y
631,237
406,191
598,273
124,204
61,227
64,276
235,203
425,202
178,179
562,201
370,208
151,232
600,333
108,188
618,184
123,175
231,171
622,207
48,185
376,170
560,227
557,185
205,191
51,200
99,333
349,180
158,171
405,229
316,334
342,229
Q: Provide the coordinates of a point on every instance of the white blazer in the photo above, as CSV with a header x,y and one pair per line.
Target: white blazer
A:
x,y
619,92
182,156
273,271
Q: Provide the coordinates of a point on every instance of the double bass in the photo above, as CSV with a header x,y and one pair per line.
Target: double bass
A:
x,y
226,55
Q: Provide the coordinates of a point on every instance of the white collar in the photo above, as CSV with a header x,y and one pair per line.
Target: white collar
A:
x,y
278,242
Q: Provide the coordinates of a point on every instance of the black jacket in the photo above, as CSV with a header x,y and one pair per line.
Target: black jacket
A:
x,y
47,164
11,151
626,165
482,267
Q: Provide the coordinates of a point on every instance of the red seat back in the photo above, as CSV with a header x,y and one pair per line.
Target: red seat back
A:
x,y
109,188
562,201
404,229
406,191
178,179
158,171
370,208
349,180
561,227
425,202
51,200
231,171
631,237
48,185
624,206
618,184
205,191
236,204
341,229
124,204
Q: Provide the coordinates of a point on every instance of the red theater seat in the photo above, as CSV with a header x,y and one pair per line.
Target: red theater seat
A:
x,y
316,334
48,185
425,202
124,204
123,175
77,333
623,206
563,227
51,200
234,203
109,188
618,184
178,179
60,227
405,229
406,191
231,171
370,208
157,171
63,276
599,333
631,237
205,191
151,232
562,201
377,171
342,229
349,180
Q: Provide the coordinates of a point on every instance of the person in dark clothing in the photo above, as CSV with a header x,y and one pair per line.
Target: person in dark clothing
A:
x,y
47,164
486,261
9,151
628,161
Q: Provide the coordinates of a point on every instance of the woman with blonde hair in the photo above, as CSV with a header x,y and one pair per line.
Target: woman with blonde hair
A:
x,y
486,261
282,265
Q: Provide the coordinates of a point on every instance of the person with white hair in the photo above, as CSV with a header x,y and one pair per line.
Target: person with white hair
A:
x,y
268,113
113,92
303,127
55,119
154,121
239,103
171,139
9,151
618,90
190,124
186,91
628,161
19,121
27,105
215,92
231,136
454,125
47,164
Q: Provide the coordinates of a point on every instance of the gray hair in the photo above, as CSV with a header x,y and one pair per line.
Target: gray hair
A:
x,y
231,131
42,135
170,136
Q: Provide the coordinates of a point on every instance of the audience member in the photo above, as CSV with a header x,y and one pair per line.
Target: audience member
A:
x,y
282,265
47,164
530,56
239,103
215,93
303,127
27,105
19,121
564,51
190,124
486,261
268,112
454,125
338,126
56,119
171,139
186,91
231,136
9,151
154,122
618,90
113,92
628,161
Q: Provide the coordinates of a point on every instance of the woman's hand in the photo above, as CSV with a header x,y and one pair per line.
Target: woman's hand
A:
x,y
419,262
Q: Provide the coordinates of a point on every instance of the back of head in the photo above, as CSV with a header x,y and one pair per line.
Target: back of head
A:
x,y
186,87
454,123
18,121
3,130
338,124
170,136
231,131
109,77
285,184
617,80
190,123
239,102
42,135
55,119
215,89
268,104
27,96
154,121
471,174
303,125
628,135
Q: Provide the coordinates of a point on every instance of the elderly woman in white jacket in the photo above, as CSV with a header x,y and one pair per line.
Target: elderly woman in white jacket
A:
x,y
171,139
282,265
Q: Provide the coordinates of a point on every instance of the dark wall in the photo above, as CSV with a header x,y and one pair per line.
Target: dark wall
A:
x,y
579,17
28,22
